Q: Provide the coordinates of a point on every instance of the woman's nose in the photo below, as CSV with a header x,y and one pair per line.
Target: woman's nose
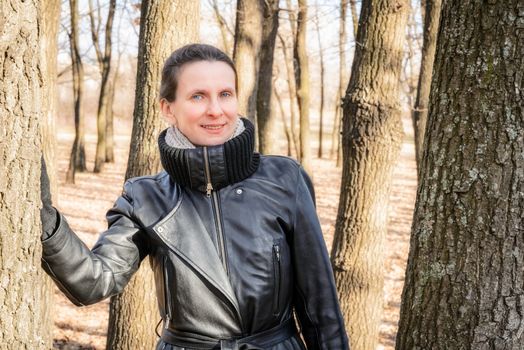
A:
x,y
214,108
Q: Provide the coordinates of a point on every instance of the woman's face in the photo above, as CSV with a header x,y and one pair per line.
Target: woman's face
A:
x,y
205,108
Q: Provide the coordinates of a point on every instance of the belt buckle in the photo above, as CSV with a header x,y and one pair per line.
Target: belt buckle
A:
x,y
228,344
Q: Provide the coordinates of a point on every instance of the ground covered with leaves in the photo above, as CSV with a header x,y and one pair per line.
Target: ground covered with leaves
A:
x,y
85,203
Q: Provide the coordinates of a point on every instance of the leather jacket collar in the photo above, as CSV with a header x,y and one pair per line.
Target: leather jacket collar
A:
x,y
207,168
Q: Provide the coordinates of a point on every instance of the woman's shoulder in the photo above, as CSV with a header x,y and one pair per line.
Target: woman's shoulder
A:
x,y
145,186
279,168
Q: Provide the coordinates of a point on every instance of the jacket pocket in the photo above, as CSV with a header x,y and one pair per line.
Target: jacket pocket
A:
x,y
276,277
167,297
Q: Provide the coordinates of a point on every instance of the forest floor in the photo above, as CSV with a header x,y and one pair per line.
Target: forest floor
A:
x,y
85,203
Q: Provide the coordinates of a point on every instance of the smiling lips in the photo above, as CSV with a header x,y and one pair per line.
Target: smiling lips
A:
x,y
213,126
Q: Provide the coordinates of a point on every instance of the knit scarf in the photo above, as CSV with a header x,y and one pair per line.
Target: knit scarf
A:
x,y
230,162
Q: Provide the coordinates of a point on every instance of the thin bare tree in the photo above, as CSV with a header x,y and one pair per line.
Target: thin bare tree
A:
x,y
226,32
104,63
292,91
322,84
342,83
77,160
302,78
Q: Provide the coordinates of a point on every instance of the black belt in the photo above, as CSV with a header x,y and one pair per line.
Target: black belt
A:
x,y
258,341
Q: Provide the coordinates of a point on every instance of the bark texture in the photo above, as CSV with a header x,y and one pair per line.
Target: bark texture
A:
x,y
164,26
302,78
25,321
420,113
464,286
248,41
104,62
371,139
265,114
77,160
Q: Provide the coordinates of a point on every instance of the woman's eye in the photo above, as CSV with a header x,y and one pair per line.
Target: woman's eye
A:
x,y
226,94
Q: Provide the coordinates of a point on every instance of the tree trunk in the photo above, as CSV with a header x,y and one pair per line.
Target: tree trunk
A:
x,y
292,97
342,83
48,54
354,15
464,279
265,114
164,26
77,160
248,42
302,78
110,140
287,132
372,135
225,31
420,112
28,68
335,132
100,157
322,84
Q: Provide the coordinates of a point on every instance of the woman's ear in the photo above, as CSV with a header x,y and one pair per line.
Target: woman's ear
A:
x,y
167,113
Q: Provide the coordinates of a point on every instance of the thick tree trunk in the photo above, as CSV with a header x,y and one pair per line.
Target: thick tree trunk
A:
x,y
342,83
248,41
265,114
77,161
302,78
164,26
100,156
464,279
26,69
292,89
420,112
372,135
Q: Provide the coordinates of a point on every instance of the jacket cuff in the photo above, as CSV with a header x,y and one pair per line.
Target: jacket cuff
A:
x,y
58,239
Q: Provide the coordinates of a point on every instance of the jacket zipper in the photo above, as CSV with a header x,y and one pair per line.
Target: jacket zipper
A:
x,y
276,274
216,212
167,301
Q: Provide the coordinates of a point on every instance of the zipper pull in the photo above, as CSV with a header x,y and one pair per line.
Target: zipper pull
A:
x,y
277,252
166,326
209,188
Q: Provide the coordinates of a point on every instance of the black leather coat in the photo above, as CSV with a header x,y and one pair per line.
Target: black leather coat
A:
x,y
229,262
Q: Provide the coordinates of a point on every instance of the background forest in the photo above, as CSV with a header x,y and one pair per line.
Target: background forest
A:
x,y
407,114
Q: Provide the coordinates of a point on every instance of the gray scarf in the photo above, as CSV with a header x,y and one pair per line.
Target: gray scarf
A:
x,y
175,138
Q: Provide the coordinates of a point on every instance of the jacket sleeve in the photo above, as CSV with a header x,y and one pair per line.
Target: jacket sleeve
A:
x,y
315,296
88,276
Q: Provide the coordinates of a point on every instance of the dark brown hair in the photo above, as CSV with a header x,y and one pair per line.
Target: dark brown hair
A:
x,y
187,54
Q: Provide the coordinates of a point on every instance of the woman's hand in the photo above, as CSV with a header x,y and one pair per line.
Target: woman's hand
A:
x,y
48,214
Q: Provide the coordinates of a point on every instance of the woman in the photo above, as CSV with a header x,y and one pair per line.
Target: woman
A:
x,y
233,237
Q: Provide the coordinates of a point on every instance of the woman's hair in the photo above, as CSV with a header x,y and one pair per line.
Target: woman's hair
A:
x,y
187,54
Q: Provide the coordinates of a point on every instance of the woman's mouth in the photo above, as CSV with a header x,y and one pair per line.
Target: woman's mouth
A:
x,y
213,126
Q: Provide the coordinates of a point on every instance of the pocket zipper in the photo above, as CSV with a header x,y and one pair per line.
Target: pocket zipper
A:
x,y
167,302
276,275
